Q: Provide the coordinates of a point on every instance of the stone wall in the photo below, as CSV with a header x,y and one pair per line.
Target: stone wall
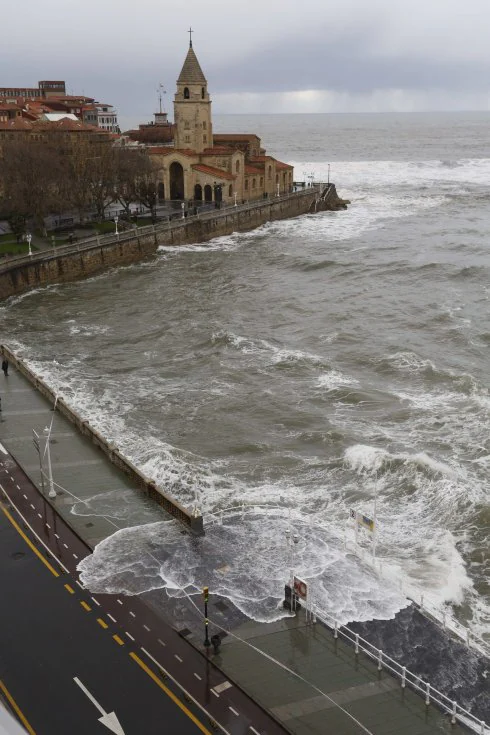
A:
x,y
71,263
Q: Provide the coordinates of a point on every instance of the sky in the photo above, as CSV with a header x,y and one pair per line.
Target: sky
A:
x,y
259,56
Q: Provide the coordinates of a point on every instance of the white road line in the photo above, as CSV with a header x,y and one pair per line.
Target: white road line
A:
x,y
146,627
161,642
197,676
47,524
76,557
119,601
18,488
132,613
25,496
234,711
40,516
129,635
110,616
96,602
177,657
189,696
216,695
65,545
33,508
80,584
252,729
57,536
32,530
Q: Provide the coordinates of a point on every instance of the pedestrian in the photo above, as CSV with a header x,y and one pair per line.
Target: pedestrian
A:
x,y
5,367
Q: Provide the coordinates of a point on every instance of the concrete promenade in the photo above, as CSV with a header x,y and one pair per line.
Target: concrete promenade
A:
x,y
334,690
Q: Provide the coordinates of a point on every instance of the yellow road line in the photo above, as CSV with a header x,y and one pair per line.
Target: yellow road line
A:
x,y
70,589
118,640
169,693
29,543
85,606
102,623
16,708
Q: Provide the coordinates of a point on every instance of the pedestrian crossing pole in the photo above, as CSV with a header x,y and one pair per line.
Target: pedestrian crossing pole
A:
x,y
205,592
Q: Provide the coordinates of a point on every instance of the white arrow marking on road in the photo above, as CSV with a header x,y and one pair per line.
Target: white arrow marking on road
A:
x,y
109,719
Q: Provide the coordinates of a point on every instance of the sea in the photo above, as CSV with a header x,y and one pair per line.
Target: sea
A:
x,y
286,379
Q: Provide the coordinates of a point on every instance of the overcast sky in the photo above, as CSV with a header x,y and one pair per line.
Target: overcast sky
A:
x,y
258,56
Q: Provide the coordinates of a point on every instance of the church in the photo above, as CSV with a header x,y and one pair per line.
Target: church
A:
x,y
207,167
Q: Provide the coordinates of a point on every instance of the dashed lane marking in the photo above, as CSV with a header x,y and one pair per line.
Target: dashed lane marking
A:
x,y
161,642
40,516
18,488
234,711
76,557
85,605
132,613
129,635
33,508
102,623
215,693
170,694
70,589
252,729
118,640
177,657
65,545
30,544
111,618
33,531
47,524
96,601
80,584
57,535
146,628
197,676
16,708
119,601
25,496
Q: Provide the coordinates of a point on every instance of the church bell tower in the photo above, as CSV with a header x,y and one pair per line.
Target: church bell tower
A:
x,y
192,106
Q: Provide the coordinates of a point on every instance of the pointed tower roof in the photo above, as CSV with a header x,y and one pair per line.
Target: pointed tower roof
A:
x,y
191,71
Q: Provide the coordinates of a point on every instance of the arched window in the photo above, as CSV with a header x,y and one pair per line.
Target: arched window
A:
x,y
237,167
198,192
230,190
186,93
246,183
269,174
203,92
254,183
208,193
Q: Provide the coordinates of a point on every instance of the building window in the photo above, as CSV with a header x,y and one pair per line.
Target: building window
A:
x,y
277,178
204,138
261,181
203,92
230,190
204,125
254,183
269,174
187,125
237,167
186,93
246,184
187,138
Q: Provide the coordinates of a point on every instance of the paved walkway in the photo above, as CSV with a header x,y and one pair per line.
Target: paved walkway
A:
x,y
343,690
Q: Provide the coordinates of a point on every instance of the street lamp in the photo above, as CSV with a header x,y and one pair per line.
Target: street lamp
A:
x,y
205,592
52,491
235,195
29,238
277,188
116,220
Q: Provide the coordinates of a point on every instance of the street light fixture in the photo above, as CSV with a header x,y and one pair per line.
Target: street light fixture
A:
x,y
235,195
116,220
52,491
29,239
277,188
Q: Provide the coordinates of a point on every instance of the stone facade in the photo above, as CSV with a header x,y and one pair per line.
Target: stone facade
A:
x,y
203,167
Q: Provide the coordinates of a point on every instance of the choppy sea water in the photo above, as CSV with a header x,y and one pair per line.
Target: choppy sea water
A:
x,y
304,367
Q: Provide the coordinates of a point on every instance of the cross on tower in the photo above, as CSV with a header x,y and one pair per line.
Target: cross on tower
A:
x,y
190,32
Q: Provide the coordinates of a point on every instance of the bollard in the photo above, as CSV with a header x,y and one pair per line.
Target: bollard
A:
x,y
404,677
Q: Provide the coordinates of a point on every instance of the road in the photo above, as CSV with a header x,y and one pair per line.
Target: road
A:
x,y
83,664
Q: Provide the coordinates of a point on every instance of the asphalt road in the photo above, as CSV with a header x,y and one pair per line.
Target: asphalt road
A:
x,y
68,658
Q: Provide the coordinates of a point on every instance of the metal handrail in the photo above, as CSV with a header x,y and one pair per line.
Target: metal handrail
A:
x,y
419,598
383,661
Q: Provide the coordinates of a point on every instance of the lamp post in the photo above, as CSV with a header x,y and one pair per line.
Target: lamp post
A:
x,y
235,195
52,491
116,220
205,592
29,239
278,188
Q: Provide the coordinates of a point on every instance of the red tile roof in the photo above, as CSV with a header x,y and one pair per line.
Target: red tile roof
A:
x,y
251,170
280,165
18,123
235,136
218,150
217,173
167,151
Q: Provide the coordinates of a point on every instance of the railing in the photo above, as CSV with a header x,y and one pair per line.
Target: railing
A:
x,y
172,222
419,598
406,677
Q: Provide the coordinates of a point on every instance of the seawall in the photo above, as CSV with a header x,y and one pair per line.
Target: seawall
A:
x,y
72,262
